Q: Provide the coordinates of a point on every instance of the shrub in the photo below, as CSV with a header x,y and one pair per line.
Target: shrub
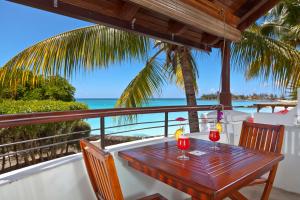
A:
x,y
20,106
52,88
29,132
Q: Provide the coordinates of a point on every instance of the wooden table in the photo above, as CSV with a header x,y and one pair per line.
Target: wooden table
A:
x,y
213,175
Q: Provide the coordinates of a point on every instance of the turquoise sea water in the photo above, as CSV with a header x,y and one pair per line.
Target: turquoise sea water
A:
x,y
109,103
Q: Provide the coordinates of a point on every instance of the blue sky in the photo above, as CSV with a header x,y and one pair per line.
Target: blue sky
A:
x,y
23,26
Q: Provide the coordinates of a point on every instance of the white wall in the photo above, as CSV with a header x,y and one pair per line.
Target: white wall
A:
x,y
63,178
288,175
288,119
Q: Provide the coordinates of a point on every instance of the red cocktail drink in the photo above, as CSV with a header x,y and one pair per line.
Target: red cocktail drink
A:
x,y
214,136
183,144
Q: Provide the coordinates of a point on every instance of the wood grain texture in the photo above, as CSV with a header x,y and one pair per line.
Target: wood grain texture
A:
x,y
192,16
211,176
103,174
263,138
237,196
113,18
214,9
252,10
199,17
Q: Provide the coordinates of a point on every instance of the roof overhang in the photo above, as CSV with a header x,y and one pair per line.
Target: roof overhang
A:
x,y
196,23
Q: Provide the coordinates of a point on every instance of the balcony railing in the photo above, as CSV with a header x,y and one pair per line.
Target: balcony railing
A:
x,y
17,154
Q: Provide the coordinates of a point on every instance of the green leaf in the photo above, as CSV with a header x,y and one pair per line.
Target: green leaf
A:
x,y
81,49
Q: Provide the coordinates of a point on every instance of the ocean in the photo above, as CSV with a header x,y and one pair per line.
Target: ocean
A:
x,y
130,130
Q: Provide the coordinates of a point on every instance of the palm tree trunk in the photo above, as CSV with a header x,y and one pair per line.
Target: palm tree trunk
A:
x,y
189,90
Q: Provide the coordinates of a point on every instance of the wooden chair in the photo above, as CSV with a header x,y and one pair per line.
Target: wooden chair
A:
x,y
103,175
262,137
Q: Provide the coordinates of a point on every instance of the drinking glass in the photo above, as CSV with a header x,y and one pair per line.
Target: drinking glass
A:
x,y
183,144
214,136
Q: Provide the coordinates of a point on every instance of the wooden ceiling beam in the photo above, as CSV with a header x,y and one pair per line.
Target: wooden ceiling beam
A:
x,y
210,39
222,4
119,9
128,11
235,5
176,28
214,9
260,8
97,17
189,15
109,8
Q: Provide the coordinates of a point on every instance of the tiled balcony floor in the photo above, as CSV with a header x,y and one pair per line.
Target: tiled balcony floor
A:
x,y
254,193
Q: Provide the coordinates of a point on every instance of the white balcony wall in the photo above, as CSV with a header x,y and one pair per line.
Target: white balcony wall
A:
x,y
63,178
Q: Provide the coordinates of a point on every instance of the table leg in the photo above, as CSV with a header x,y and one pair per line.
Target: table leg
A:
x,y
273,109
237,196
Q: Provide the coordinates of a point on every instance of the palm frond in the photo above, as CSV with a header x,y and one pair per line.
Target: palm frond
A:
x,y
265,57
85,48
273,30
294,35
144,86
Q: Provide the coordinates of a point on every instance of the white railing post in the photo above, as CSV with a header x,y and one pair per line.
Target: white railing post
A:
x,y
204,123
298,107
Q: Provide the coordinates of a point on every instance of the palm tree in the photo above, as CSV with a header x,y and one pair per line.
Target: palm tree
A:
x,y
271,49
98,47
178,66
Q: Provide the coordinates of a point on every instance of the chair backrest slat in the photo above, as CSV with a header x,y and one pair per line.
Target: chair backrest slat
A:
x,y
260,133
102,172
263,137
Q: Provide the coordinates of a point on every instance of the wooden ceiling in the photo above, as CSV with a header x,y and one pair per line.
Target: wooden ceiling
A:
x,y
196,23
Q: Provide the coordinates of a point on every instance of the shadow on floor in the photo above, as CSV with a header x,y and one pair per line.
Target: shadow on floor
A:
x,y
254,193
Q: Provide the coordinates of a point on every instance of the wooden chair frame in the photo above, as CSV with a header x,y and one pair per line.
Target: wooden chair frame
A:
x,y
262,137
103,174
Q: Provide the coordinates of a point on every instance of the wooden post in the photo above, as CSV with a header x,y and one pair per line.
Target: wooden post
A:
x,y
102,132
166,124
225,95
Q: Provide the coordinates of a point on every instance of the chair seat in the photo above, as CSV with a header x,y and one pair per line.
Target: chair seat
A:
x,y
156,196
